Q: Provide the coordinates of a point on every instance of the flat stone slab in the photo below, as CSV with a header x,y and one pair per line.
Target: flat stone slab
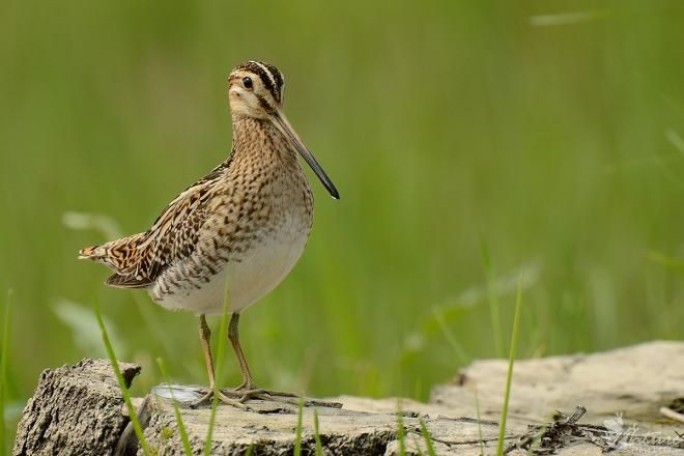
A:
x,y
634,382
78,410
271,429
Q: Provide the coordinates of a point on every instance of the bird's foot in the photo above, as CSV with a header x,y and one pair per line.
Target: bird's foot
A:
x,y
266,395
212,394
247,392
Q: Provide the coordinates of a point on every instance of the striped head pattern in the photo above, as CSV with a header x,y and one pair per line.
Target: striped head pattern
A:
x,y
255,89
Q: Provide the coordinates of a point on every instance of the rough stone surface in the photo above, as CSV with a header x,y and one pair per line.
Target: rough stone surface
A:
x,y
270,429
74,410
77,410
634,381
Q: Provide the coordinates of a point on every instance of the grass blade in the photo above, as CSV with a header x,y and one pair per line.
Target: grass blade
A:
x,y
218,363
509,374
317,434
400,430
461,355
122,383
179,419
3,370
427,437
479,420
298,434
220,353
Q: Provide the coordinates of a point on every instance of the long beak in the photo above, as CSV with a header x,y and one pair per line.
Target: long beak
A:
x,y
281,123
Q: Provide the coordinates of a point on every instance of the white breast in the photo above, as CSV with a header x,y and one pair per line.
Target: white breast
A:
x,y
260,269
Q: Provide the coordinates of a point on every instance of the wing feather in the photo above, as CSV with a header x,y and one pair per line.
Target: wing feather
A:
x,y
139,259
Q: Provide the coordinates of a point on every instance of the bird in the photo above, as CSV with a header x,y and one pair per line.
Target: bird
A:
x,y
236,233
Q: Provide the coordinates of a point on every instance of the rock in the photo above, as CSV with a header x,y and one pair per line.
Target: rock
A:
x,y
633,382
74,410
78,410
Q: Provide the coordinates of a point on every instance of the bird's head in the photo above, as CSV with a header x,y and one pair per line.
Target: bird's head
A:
x,y
255,90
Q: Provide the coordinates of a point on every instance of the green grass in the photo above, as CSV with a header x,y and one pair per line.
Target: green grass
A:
x,y
511,363
442,123
427,438
480,435
176,410
401,432
7,318
132,413
218,361
317,434
299,430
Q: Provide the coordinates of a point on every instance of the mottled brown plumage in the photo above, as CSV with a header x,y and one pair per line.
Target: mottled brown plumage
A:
x,y
238,231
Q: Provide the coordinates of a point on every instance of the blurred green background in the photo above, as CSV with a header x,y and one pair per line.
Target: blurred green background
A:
x,y
472,142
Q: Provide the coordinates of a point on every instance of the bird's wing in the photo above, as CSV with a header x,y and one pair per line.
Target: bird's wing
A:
x,y
139,259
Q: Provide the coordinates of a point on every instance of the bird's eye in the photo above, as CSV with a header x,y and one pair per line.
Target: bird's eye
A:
x,y
247,82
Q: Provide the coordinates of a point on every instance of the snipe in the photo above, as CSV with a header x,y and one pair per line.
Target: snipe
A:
x,y
238,231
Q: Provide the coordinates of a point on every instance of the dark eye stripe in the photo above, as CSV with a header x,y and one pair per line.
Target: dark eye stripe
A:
x,y
264,104
268,77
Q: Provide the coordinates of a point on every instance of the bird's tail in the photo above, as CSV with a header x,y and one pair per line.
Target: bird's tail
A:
x,y
115,254
94,252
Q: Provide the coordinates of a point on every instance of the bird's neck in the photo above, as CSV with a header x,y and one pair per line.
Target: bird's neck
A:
x,y
259,139
262,154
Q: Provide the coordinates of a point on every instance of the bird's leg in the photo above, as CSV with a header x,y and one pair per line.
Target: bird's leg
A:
x,y
248,388
234,337
205,339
